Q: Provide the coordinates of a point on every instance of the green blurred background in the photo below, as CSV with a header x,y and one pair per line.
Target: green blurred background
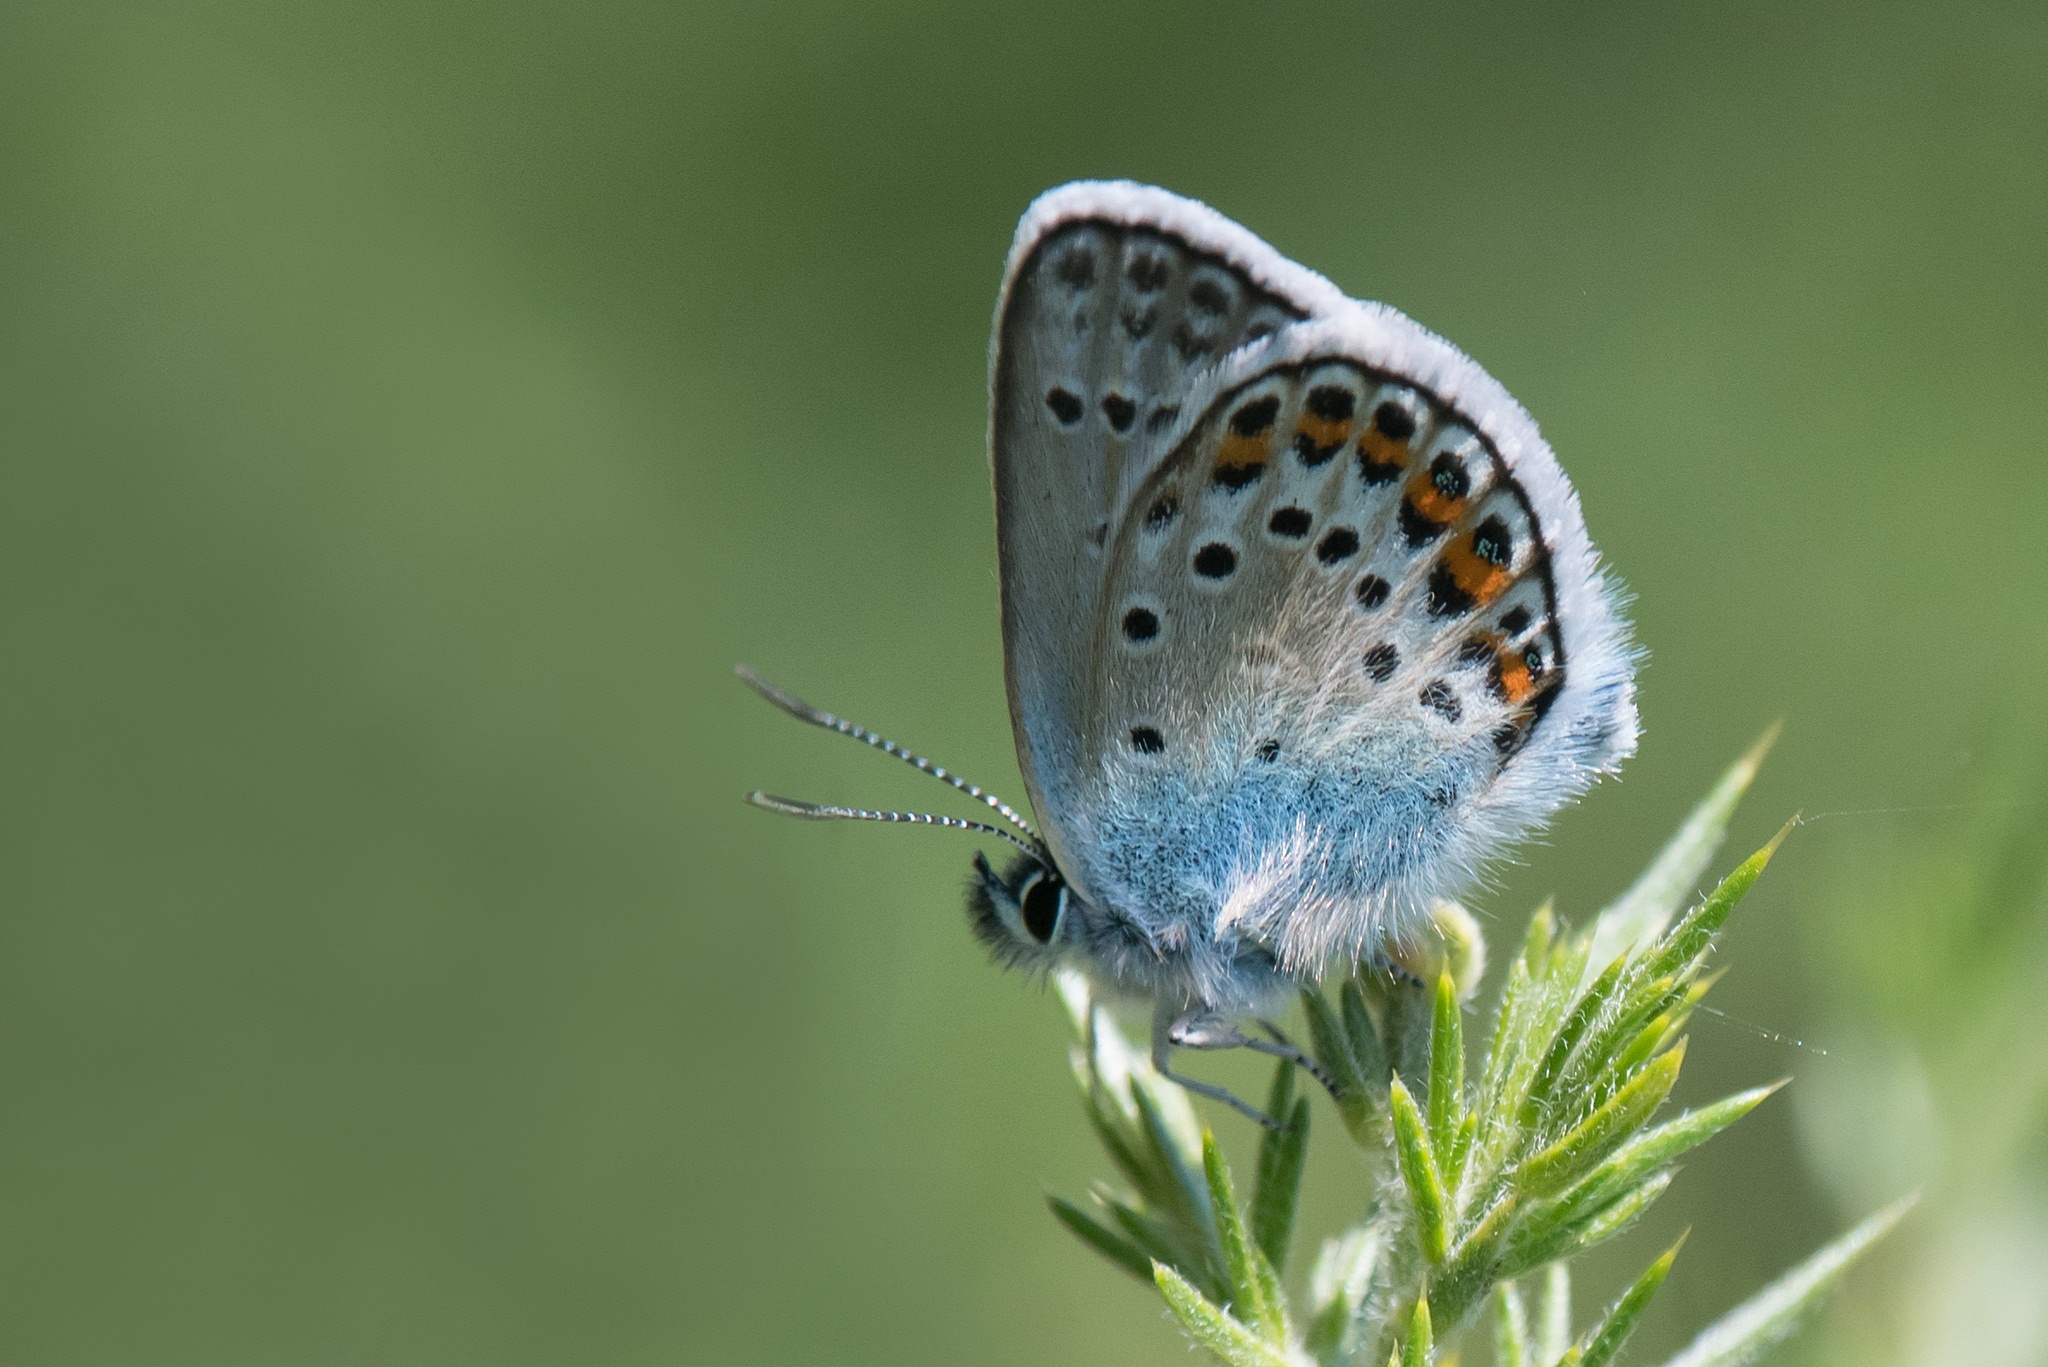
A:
x,y
408,413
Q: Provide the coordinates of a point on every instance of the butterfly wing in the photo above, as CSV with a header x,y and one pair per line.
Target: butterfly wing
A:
x,y
1351,639
1120,305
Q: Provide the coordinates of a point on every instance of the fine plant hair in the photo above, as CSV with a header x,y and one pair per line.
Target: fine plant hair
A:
x,y
1490,1181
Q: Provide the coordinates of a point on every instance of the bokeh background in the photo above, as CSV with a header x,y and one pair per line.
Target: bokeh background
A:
x,y
410,411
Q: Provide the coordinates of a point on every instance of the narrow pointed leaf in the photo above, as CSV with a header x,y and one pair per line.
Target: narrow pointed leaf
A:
x,y
1249,1289
1540,1241
1183,1192
1209,1326
1419,1174
1640,914
1746,1332
1415,1352
1092,1233
1558,1056
1593,1138
1330,1043
1165,1242
1282,1154
1446,1071
1683,942
1612,1330
1367,1044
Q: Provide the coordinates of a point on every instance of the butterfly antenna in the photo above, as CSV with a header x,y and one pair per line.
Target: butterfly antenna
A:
x,y
803,711
815,811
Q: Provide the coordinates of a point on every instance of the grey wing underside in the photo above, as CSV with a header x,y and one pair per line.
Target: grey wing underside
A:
x,y
1120,306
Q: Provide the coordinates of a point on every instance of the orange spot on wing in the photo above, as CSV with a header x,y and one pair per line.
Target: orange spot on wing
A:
x,y
1383,451
1321,431
1237,450
1431,501
1516,683
1474,573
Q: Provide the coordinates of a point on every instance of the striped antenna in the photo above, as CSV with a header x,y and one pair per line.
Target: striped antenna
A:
x,y
816,811
803,711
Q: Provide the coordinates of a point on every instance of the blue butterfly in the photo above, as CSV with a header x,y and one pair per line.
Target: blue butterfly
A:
x,y
1301,624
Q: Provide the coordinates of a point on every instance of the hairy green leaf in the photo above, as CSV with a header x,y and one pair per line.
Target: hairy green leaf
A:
x,y
1605,1338
1215,1330
1282,1154
1254,1290
1419,1174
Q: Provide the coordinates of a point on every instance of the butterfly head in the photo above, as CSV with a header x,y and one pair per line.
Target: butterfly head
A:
x,y
1027,915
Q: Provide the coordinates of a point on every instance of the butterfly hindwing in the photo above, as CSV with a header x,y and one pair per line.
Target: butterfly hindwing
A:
x,y
1352,640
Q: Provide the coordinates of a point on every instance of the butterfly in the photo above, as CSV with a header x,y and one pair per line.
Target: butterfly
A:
x,y
1301,624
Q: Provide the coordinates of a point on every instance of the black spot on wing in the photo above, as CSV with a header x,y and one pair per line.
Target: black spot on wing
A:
x,y
1331,403
1338,545
1290,522
1440,698
1215,561
1065,406
1255,417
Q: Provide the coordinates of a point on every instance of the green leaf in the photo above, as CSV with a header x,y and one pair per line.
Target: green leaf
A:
x,y
1254,1289
1744,1333
1558,1234
1640,914
1181,1191
1684,941
1643,1155
1612,1330
1211,1327
1407,1022
1551,1072
1099,1238
1446,1073
1333,1047
1282,1154
1367,1045
1593,1138
1510,1328
1165,1242
1416,1350
1554,1318
1419,1174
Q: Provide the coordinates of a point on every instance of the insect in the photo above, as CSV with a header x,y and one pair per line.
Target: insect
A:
x,y
1301,624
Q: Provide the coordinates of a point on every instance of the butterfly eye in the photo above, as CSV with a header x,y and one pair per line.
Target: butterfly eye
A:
x,y
1042,901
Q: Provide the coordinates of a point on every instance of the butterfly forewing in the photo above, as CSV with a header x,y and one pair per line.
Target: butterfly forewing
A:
x,y
1120,303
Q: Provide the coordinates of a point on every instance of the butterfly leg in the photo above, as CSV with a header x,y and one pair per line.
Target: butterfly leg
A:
x,y
1281,1047
1198,1030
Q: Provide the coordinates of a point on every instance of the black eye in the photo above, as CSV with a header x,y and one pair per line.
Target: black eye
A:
x,y
1042,900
